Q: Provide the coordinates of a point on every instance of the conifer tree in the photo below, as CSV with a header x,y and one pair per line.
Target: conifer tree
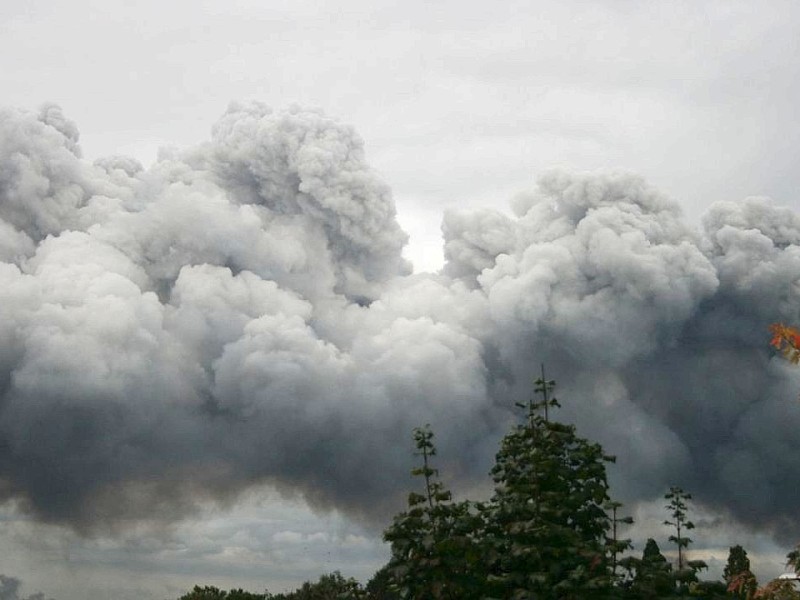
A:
x,y
738,562
434,543
546,525
737,574
651,574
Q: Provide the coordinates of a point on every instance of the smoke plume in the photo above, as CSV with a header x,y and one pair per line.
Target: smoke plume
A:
x,y
240,313
9,590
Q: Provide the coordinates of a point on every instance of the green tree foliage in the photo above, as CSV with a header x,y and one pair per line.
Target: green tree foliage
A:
x,y
737,563
549,532
240,594
210,592
332,586
651,575
738,577
380,586
434,543
614,544
546,525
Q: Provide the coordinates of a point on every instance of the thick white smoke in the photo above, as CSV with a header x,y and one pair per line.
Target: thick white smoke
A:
x,y
240,313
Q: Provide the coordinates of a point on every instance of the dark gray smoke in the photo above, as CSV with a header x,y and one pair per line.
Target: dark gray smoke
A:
x,y
240,313
9,590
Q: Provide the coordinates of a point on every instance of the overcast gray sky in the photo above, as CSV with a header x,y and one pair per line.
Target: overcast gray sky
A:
x,y
460,105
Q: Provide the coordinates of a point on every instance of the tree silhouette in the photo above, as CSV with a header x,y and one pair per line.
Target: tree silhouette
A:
x,y
651,574
616,545
434,543
737,575
678,511
546,523
678,508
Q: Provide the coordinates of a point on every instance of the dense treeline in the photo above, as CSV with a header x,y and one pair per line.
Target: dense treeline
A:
x,y
329,587
549,532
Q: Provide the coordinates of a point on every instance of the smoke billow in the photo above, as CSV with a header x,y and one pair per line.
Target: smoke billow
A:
x,y
240,313
9,590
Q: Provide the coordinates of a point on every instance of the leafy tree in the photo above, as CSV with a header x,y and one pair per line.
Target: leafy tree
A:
x,y
737,575
380,586
434,544
778,589
782,589
743,585
651,574
737,563
240,594
208,592
332,586
546,526
614,544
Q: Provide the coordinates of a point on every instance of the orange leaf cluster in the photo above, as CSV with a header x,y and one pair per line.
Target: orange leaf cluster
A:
x,y
744,585
787,340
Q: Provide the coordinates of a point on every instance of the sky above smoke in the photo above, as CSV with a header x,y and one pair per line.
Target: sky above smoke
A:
x,y
214,346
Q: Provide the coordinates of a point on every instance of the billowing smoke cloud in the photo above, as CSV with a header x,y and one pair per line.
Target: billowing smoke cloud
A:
x,y
240,313
9,590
